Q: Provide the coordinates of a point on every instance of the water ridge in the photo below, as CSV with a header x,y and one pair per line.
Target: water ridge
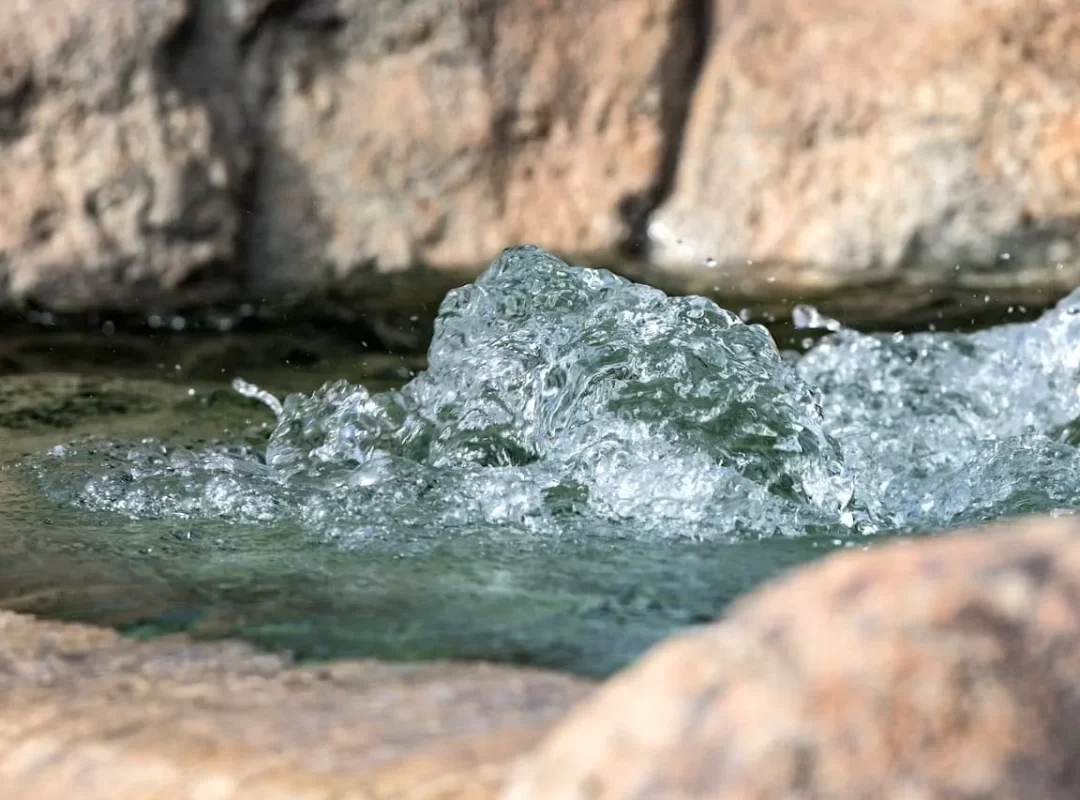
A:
x,y
563,400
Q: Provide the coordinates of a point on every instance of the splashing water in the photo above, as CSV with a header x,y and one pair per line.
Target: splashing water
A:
x,y
568,400
944,429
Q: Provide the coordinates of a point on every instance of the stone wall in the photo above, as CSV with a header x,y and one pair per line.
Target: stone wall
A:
x,y
365,155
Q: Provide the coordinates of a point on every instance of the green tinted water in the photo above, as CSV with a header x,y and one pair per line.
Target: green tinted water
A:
x,y
587,604
587,467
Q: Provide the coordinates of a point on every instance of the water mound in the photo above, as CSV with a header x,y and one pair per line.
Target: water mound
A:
x,y
944,429
556,399
564,400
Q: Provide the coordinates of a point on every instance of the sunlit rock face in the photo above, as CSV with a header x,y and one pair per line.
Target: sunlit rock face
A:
x,y
940,668
362,157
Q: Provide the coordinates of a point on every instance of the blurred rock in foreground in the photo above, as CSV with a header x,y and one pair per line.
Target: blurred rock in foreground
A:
x,y
360,158
945,668
90,715
942,668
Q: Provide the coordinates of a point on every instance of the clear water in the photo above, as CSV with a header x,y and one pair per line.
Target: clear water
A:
x,y
585,466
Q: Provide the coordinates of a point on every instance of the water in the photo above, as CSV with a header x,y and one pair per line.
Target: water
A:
x,y
585,466
944,429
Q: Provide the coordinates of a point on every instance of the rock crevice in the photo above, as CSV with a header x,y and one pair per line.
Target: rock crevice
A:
x,y
680,72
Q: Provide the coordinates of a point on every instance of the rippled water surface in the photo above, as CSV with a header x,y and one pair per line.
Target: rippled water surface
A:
x,y
585,466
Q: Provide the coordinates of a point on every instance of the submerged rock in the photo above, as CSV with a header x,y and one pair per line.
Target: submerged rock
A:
x,y
87,714
945,668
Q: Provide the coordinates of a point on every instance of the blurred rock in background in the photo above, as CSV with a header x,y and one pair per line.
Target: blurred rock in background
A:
x,y
124,147
360,157
837,143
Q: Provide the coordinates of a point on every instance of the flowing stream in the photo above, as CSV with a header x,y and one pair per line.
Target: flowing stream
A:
x,y
585,466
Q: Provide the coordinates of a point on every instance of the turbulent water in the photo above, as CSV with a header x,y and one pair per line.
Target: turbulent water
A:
x,y
562,400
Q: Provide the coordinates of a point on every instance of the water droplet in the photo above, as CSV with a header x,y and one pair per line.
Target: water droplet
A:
x,y
807,317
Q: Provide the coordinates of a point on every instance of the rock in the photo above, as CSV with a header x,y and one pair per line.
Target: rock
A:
x,y
120,151
946,668
433,133
89,715
358,158
834,145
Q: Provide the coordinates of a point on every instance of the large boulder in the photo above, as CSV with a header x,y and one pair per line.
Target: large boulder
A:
x,y
834,144
947,668
90,715
122,145
173,152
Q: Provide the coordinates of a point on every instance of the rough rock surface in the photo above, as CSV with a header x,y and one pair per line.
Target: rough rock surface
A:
x,y
86,714
833,142
363,156
947,668
437,132
120,152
